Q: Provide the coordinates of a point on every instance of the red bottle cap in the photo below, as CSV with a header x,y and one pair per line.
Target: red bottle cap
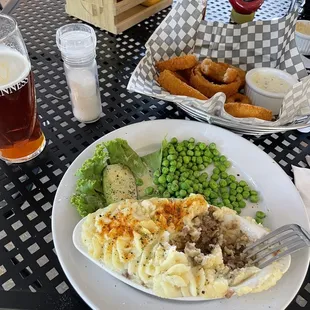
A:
x,y
246,6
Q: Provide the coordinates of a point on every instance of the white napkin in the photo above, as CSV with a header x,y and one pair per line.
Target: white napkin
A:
x,y
302,182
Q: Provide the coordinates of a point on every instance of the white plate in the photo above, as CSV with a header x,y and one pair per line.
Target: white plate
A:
x,y
280,200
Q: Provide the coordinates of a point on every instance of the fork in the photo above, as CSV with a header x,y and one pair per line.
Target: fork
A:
x,y
277,244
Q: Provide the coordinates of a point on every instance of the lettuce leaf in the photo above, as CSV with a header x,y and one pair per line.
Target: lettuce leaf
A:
x,y
121,153
89,193
153,160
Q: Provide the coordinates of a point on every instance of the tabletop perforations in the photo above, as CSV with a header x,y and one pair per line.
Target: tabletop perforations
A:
x,y
28,261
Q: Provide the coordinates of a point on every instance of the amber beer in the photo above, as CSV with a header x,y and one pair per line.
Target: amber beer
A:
x,y
21,137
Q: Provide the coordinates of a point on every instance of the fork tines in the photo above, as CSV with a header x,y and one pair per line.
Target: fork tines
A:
x,y
279,243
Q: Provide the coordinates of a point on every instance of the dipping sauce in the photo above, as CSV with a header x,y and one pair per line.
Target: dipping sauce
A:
x,y
270,82
303,28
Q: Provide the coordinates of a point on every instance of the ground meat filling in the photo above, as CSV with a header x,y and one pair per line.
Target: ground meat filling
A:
x,y
200,239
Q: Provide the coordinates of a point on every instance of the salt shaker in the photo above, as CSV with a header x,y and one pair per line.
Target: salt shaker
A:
x,y
77,43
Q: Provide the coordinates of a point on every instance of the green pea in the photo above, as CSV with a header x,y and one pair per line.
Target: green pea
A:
x,y
165,163
165,170
165,153
196,174
161,189
229,206
170,190
254,198
179,148
194,168
171,151
174,187
239,189
243,183
238,210
247,189
202,178
253,193
239,197
184,186
149,190
216,170
232,198
205,184
190,153
213,184
227,164
209,161
171,157
195,188
191,140
170,178
202,146
214,202
157,173
139,182
215,177
235,204
260,214
182,169
212,146
223,183
225,195
233,185
220,204
182,179
174,140
190,165
229,181
207,192
216,153
199,160
175,182
162,179
246,194
166,194
173,163
197,153
214,195
224,190
192,178
223,158
183,153
172,169
242,204
155,181
179,165
190,190
233,192
232,177
177,194
177,173
259,220
216,159
201,167
222,168
191,146
185,142
224,175
189,182
226,202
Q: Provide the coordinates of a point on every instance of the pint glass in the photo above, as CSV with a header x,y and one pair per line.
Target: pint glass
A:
x,y
21,138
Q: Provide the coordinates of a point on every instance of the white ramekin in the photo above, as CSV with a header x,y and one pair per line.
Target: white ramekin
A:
x,y
303,40
263,98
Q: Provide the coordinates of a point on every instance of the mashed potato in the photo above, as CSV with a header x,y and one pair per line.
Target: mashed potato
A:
x,y
177,248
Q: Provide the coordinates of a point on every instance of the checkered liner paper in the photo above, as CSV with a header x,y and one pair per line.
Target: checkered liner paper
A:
x,y
256,44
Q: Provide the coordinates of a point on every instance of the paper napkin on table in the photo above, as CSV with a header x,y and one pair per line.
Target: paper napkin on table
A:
x,y
302,182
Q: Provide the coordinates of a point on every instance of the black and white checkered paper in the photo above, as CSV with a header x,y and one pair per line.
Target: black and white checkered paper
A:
x,y
256,44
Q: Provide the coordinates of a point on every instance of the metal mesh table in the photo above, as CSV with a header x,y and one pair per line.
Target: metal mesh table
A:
x,y
30,274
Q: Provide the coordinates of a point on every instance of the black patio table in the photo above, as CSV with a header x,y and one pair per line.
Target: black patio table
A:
x,y
30,274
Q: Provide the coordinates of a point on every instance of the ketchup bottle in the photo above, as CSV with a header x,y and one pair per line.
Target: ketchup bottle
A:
x,y
243,11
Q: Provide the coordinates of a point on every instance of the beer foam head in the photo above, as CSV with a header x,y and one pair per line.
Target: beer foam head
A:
x,y
14,67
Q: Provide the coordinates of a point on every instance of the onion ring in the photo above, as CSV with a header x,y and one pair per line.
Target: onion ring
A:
x,y
219,71
239,98
243,110
208,88
169,81
177,63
